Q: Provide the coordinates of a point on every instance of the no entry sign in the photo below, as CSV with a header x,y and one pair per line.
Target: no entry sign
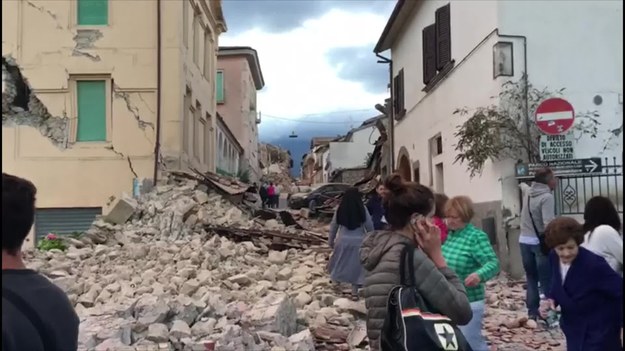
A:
x,y
555,116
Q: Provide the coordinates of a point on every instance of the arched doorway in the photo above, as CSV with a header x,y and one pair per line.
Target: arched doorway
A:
x,y
403,164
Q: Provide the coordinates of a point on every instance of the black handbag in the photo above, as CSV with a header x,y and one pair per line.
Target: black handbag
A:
x,y
541,236
410,325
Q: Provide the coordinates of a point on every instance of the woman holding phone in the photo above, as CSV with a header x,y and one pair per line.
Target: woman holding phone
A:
x,y
410,208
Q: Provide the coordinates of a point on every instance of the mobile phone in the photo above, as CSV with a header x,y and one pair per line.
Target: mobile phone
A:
x,y
417,219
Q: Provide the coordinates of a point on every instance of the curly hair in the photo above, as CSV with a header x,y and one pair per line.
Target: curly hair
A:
x,y
562,229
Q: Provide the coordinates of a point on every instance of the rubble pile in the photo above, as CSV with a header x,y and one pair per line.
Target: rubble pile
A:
x,y
185,269
162,281
506,324
278,164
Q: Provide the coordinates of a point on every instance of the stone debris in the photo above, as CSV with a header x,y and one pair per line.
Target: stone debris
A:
x,y
164,280
506,325
277,167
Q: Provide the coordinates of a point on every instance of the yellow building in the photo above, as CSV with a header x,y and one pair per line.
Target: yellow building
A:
x,y
104,81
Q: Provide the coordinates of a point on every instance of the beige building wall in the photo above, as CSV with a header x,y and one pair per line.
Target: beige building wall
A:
x,y
189,70
54,53
239,108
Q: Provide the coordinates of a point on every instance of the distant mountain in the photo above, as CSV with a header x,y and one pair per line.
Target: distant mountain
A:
x,y
301,145
277,132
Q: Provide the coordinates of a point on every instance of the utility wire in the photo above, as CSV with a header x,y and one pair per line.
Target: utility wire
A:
x,y
300,119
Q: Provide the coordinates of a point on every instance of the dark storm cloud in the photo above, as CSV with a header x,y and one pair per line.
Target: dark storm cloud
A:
x,y
283,15
277,132
361,65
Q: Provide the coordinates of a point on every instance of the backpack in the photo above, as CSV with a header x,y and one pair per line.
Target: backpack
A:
x,y
410,325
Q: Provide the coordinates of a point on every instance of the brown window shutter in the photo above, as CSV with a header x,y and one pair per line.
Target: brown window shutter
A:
x,y
402,95
396,94
443,37
429,53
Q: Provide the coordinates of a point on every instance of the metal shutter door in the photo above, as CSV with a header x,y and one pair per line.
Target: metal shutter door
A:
x,y
64,220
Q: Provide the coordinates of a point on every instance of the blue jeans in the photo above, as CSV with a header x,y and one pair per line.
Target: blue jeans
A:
x,y
537,269
473,331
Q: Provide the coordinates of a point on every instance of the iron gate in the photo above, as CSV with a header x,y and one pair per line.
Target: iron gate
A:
x,y
574,191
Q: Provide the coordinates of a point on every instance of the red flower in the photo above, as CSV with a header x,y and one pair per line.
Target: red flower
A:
x,y
51,236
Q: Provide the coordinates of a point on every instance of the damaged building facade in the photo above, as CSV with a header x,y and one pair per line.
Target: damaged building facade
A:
x,y
92,91
239,77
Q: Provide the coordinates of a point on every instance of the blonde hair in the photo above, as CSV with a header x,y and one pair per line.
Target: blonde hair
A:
x,y
462,205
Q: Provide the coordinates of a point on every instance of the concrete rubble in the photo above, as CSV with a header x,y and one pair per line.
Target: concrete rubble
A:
x,y
277,166
162,281
506,324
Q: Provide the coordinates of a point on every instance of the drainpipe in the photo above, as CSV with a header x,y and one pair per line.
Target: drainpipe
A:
x,y
157,144
390,114
526,85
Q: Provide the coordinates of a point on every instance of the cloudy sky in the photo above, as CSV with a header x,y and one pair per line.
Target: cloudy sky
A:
x,y
317,59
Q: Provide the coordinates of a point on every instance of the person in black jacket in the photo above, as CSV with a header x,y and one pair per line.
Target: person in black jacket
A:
x,y
36,314
377,208
263,195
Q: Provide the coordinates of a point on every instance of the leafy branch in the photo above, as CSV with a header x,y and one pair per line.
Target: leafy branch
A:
x,y
506,129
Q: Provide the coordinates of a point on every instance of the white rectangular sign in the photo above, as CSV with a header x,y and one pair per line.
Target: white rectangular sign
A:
x,y
557,147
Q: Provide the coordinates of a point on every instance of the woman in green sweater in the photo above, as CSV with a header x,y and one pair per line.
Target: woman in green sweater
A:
x,y
468,252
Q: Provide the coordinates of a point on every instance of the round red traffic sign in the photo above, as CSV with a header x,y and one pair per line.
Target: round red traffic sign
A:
x,y
555,116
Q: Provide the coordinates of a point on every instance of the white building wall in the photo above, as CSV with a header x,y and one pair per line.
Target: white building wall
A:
x,y
576,45
352,154
469,84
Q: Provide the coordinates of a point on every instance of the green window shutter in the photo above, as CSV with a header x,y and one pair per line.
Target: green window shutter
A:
x,y
220,86
91,96
93,12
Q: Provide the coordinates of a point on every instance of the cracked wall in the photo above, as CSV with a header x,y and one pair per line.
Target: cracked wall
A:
x,y
44,52
20,106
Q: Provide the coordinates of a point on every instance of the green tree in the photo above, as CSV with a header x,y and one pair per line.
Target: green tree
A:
x,y
506,128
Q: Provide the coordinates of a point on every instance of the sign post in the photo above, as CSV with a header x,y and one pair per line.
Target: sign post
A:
x,y
561,168
555,116
557,147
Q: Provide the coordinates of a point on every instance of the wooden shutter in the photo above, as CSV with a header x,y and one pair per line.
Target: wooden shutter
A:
x,y
398,91
400,96
443,37
396,94
429,53
93,12
91,104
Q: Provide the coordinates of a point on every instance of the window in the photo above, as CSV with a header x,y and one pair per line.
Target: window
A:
x,y
197,131
436,41
503,62
219,85
91,110
398,89
208,54
185,121
196,38
208,138
93,12
185,23
438,141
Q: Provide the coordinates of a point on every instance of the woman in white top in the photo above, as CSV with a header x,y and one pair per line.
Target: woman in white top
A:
x,y
603,225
